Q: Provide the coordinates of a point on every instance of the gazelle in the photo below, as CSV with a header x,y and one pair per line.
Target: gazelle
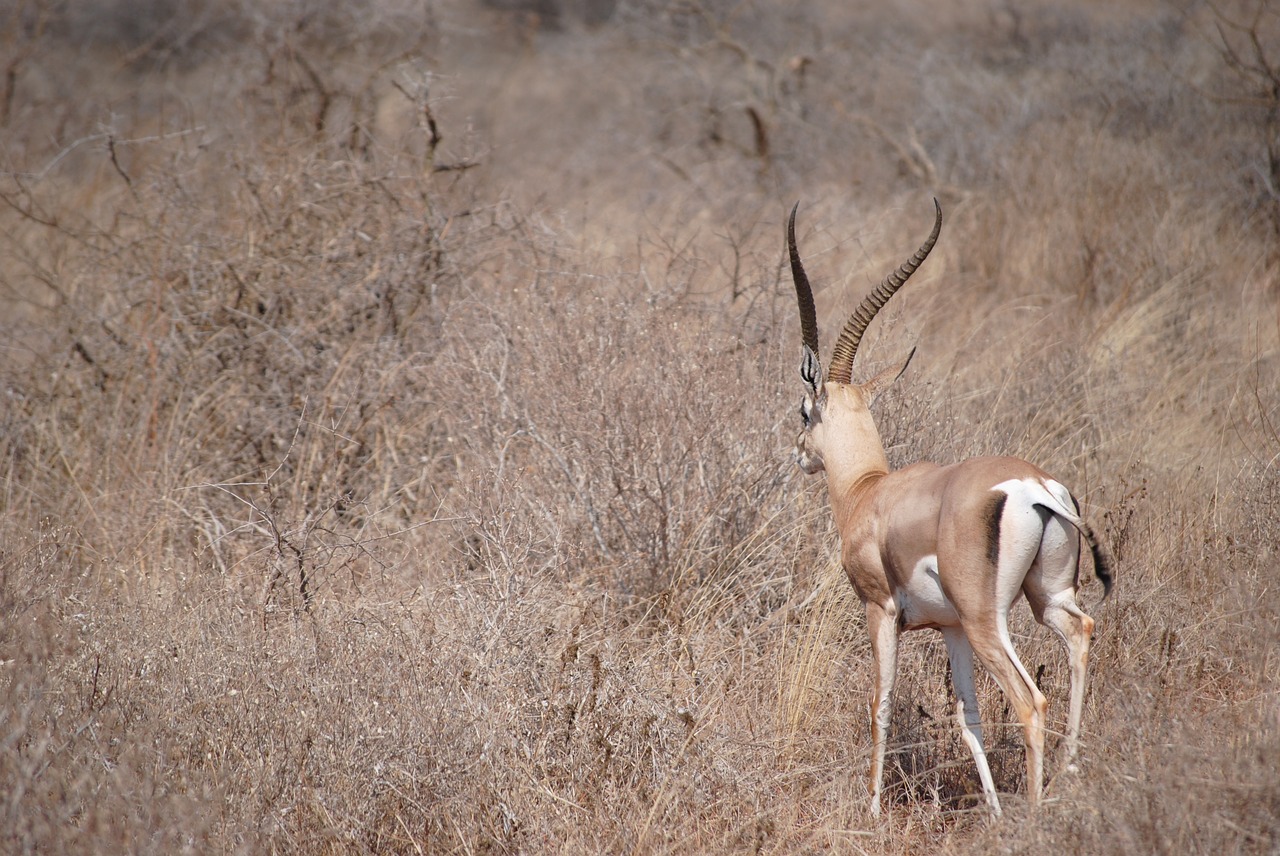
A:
x,y
948,547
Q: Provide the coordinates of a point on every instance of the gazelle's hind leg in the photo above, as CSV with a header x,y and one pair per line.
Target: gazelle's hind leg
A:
x,y
1050,591
1075,629
995,649
1020,526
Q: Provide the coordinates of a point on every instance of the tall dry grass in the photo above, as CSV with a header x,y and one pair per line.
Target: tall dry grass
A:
x,y
394,454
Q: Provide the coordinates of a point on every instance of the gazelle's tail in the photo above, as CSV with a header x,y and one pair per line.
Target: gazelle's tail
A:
x,y
1058,500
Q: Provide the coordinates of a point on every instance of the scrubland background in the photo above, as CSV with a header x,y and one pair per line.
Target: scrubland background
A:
x,y
396,402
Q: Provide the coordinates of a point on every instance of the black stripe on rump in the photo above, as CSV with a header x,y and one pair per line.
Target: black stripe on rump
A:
x,y
995,510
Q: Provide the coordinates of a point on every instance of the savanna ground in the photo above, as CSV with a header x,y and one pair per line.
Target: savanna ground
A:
x,y
397,402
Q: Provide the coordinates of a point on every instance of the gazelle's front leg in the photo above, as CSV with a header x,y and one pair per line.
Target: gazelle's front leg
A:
x,y
967,715
882,625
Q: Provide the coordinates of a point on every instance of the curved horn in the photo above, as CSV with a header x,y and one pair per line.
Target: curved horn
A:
x,y
804,294
841,369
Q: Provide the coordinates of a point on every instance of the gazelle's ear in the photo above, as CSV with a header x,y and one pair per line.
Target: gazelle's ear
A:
x,y
810,369
885,379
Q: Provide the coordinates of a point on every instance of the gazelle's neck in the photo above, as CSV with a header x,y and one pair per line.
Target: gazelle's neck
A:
x,y
847,492
853,454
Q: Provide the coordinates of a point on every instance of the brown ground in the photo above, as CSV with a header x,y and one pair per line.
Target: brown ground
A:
x,y
366,487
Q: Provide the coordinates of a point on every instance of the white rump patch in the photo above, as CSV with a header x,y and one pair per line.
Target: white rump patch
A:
x,y
1051,494
1021,530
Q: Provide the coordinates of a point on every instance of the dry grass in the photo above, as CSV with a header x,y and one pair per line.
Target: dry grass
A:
x,y
394,450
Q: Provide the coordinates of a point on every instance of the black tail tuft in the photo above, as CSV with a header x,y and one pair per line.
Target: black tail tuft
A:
x,y
1101,561
1101,565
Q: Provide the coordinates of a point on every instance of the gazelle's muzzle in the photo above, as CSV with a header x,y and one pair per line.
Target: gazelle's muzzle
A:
x,y
808,461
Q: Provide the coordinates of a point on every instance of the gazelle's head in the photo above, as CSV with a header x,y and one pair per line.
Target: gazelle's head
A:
x,y
836,412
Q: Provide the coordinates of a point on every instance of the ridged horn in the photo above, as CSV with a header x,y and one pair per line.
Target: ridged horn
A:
x,y
804,294
841,368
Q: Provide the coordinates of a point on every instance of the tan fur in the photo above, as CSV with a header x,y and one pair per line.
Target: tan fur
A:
x,y
950,548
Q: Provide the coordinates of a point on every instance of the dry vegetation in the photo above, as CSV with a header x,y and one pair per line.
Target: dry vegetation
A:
x,y
397,400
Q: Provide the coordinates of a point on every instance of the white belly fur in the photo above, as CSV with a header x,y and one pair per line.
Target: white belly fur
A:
x,y
921,602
